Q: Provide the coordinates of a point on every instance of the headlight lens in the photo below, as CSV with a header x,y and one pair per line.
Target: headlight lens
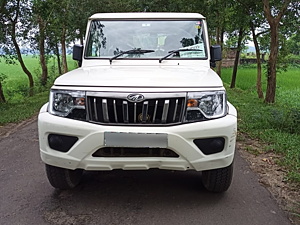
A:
x,y
206,105
62,103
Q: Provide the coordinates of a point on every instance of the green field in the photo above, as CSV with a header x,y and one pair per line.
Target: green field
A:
x,y
288,82
16,83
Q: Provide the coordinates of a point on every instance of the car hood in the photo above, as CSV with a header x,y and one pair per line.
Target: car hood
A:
x,y
141,76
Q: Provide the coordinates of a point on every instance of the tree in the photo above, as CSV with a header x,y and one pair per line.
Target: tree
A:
x,y
14,19
2,97
252,11
219,13
241,34
239,27
41,15
258,60
273,15
294,44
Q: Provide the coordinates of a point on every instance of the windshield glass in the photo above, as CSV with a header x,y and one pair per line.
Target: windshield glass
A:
x,y
111,38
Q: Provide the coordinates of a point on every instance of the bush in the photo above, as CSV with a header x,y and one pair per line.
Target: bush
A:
x,y
287,120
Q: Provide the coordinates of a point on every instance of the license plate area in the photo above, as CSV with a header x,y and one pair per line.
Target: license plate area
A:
x,y
135,140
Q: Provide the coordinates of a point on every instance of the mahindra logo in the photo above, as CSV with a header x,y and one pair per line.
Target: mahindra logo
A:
x,y
135,97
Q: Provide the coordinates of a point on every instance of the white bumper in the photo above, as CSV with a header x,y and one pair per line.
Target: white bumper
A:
x,y
179,139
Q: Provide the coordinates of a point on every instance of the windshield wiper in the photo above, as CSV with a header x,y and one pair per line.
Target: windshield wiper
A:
x,y
131,51
179,50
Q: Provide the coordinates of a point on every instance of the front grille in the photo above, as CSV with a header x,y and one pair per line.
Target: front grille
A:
x,y
158,110
135,152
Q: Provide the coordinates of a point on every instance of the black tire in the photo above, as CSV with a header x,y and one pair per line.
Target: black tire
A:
x,y
61,178
218,180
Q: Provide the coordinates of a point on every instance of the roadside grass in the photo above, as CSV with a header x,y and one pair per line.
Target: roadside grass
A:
x,y
23,109
277,125
19,106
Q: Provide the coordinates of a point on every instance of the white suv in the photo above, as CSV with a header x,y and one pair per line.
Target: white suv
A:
x,y
144,97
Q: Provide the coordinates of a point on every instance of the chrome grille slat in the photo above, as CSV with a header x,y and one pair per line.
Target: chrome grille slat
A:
x,y
134,113
145,112
95,109
105,111
115,111
155,110
175,110
160,110
125,112
165,111
182,109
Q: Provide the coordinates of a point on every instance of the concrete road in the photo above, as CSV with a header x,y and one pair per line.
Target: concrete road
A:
x,y
124,197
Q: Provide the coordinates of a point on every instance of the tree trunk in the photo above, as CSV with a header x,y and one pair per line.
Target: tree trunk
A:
x,y
237,57
43,62
63,51
2,97
271,77
274,45
219,64
58,59
258,80
24,68
81,37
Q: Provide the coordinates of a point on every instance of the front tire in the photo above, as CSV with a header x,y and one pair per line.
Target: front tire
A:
x,y
218,180
61,178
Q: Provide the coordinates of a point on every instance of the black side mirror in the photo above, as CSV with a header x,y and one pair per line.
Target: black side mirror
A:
x,y
77,53
215,54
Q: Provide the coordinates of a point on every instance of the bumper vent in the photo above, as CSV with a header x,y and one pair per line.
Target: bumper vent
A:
x,y
135,152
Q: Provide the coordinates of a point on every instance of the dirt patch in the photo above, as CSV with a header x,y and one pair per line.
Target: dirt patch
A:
x,y
10,128
271,175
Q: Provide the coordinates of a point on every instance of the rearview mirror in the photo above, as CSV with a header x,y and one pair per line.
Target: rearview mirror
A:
x,y
215,54
77,53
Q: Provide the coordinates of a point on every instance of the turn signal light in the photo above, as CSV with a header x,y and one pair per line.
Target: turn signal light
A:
x,y
192,103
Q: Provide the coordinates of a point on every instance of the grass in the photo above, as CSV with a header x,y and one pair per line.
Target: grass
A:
x,y
19,106
277,125
16,85
24,109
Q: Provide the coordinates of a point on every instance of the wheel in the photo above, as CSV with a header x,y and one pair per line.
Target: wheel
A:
x,y
63,178
218,180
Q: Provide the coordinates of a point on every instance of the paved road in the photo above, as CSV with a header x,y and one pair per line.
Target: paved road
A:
x,y
124,197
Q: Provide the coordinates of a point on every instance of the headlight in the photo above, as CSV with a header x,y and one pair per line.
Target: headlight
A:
x,y
205,105
62,103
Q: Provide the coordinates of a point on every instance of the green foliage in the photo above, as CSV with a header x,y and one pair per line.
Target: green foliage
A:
x,y
285,119
278,125
2,77
294,44
14,23
22,109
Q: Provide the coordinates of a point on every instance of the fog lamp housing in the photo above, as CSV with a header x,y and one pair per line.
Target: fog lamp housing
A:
x,y
61,143
210,145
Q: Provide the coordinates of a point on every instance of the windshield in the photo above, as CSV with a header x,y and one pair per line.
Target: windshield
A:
x,y
151,39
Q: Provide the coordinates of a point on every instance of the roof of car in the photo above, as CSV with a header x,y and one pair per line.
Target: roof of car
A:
x,y
147,15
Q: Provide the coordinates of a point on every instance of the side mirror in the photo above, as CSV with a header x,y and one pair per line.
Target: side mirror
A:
x,y
215,54
77,53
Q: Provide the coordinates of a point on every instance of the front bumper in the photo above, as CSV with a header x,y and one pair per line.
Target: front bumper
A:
x,y
179,139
